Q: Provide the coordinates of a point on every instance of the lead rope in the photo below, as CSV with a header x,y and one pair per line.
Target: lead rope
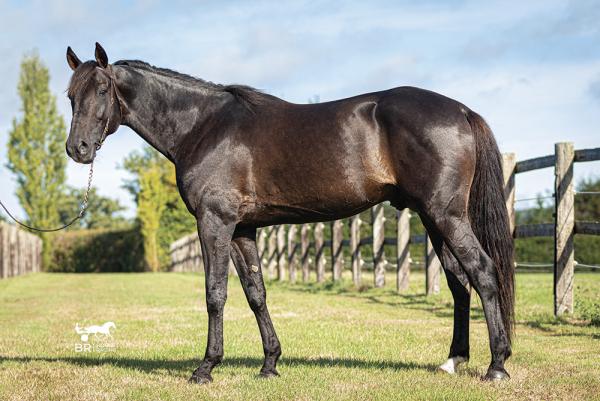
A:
x,y
84,206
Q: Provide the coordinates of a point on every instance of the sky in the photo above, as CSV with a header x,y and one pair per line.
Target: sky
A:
x,y
532,69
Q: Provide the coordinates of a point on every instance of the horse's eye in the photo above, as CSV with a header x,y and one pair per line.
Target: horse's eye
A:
x,y
102,92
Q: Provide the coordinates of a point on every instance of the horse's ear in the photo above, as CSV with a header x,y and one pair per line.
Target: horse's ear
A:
x,y
101,57
72,59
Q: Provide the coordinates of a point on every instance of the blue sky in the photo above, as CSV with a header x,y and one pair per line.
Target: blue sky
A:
x,y
532,69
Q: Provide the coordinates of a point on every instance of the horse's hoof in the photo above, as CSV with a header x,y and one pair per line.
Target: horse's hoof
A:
x,y
453,364
495,375
268,374
200,378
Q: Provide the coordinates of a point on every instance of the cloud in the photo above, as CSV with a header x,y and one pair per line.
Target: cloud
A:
x,y
580,18
594,89
529,67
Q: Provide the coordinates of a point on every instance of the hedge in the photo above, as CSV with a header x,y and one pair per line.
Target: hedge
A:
x,y
100,250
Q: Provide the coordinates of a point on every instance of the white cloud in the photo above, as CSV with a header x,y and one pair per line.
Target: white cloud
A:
x,y
502,59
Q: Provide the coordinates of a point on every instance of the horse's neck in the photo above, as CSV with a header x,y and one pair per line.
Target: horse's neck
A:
x,y
162,110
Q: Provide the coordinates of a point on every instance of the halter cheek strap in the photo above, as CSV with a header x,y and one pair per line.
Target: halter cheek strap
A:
x,y
113,95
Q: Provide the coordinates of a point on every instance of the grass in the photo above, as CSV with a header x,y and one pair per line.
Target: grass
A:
x,y
338,343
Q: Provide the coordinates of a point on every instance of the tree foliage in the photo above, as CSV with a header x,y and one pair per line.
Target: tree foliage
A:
x,y
162,214
36,148
151,204
587,202
102,212
98,250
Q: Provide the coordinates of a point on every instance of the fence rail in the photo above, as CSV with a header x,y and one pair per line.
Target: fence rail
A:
x,y
285,249
565,227
20,252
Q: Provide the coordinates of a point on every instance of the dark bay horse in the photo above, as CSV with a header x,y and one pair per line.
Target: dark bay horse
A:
x,y
245,159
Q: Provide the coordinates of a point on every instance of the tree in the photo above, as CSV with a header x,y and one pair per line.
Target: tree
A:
x,y
174,220
151,204
137,162
36,149
587,204
102,212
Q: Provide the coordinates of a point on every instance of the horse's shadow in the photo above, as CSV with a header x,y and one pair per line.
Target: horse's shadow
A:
x,y
188,365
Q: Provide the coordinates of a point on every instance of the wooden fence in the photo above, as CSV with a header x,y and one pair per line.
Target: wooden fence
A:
x,y
20,252
564,227
283,257
186,255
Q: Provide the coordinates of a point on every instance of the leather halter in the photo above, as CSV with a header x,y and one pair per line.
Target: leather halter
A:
x,y
114,94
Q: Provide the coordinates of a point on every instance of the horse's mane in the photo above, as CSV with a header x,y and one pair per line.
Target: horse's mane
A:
x,y
244,94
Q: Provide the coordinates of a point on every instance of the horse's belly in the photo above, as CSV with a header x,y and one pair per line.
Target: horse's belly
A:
x,y
313,204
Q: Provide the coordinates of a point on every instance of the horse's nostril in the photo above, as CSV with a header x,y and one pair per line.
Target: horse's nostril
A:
x,y
83,148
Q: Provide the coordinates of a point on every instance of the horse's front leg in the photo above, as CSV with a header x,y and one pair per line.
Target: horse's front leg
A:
x,y
247,263
215,238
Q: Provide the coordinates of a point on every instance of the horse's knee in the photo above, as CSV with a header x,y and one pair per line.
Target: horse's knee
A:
x,y
215,301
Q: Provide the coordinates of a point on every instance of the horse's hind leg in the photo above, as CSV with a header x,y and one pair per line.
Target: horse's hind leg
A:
x,y
451,222
247,263
459,349
459,286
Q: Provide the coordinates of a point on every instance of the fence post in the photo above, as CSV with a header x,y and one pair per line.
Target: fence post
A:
x,y
402,249
272,258
14,252
379,261
432,269
281,257
319,255
355,249
564,253
26,248
305,246
291,251
40,249
337,252
2,250
509,162
20,252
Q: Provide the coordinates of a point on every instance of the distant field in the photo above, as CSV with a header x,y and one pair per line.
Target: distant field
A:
x,y
337,343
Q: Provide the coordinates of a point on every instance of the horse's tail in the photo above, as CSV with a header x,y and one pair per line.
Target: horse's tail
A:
x,y
489,216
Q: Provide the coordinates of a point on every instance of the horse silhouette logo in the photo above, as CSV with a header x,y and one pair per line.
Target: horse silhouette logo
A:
x,y
100,332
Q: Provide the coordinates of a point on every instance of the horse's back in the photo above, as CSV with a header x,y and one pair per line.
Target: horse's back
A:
x,y
291,162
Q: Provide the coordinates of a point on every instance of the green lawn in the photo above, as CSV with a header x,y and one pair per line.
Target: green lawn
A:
x,y
337,343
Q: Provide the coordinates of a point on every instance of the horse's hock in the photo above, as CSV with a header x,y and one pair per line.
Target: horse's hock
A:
x,y
282,255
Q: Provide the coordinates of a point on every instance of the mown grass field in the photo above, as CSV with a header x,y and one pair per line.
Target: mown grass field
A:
x,y
338,343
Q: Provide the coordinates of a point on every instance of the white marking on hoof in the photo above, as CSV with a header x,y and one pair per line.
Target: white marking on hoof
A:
x,y
452,364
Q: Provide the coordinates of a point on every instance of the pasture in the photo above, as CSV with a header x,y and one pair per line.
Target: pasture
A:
x,y
338,342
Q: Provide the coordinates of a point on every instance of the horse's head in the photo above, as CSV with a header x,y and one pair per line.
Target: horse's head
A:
x,y
95,105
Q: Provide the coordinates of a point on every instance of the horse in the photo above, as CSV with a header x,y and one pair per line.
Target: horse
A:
x,y
245,159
